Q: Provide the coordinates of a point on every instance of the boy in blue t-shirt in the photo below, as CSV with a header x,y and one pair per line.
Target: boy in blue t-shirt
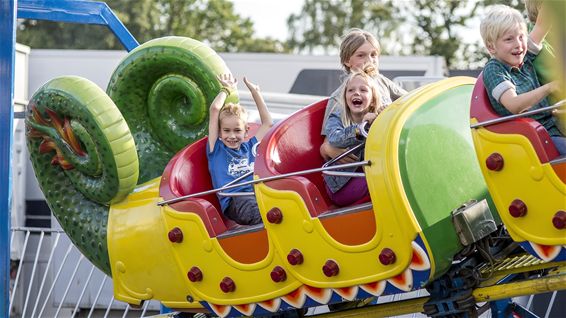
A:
x,y
229,156
509,76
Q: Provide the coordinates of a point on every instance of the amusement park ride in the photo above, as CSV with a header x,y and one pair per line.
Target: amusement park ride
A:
x,y
465,204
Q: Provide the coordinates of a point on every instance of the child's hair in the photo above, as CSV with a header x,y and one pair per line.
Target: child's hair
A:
x,y
499,20
352,41
232,109
533,6
367,74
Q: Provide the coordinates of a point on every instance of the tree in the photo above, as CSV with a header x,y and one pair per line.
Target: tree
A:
x,y
321,23
211,21
437,24
139,16
214,22
422,27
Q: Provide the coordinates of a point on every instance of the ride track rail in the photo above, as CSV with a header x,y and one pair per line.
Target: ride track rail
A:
x,y
490,290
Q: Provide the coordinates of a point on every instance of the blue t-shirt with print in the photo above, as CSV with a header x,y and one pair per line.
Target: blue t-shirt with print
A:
x,y
226,164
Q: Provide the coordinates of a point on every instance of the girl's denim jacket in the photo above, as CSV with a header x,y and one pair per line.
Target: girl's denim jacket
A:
x,y
340,137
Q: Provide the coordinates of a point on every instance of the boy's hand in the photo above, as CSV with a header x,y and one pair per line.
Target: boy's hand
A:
x,y
251,86
544,17
228,81
554,86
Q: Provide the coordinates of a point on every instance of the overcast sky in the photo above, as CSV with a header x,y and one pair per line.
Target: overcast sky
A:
x,y
269,17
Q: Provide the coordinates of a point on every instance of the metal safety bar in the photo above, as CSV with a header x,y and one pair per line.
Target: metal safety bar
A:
x,y
242,177
345,174
236,194
558,160
343,155
238,179
525,114
364,129
281,176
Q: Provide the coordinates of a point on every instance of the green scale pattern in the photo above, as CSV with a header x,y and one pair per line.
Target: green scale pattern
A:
x,y
158,97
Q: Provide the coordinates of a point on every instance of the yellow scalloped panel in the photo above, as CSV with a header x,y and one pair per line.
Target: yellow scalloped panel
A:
x,y
523,177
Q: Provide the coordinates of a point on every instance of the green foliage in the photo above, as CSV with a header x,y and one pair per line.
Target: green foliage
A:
x,y
49,35
321,23
211,21
215,23
421,27
437,23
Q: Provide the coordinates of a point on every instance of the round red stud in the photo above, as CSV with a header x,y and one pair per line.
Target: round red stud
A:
x,y
278,274
494,162
175,235
517,208
559,220
295,257
195,274
274,216
330,268
387,256
227,285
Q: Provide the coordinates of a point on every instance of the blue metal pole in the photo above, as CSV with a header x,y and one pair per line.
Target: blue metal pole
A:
x,y
77,11
8,40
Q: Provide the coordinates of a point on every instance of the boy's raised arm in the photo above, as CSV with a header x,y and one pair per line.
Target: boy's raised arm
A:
x,y
264,115
228,82
541,27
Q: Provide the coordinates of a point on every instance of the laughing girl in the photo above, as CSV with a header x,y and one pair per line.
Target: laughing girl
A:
x,y
360,95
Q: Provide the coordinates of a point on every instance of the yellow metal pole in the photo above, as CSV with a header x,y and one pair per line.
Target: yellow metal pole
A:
x,y
522,288
382,310
484,294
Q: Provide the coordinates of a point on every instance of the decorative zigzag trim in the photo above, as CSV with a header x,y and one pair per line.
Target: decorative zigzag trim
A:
x,y
403,282
546,252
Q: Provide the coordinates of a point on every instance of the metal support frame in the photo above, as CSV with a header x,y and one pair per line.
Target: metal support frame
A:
x,y
498,297
7,56
506,308
77,11
490,122
73,11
